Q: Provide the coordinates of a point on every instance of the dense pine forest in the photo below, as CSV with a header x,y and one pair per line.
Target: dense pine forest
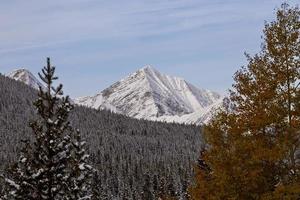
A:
x,y
135,159
249,150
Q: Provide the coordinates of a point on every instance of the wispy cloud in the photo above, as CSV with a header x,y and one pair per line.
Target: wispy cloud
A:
x,y
132,32
27,24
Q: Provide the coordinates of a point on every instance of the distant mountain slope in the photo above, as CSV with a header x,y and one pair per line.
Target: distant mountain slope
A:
x,y
148,94
26,77
128,153
199,117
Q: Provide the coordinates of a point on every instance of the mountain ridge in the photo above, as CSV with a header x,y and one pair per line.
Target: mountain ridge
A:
x,y
151,95
25,76
147,94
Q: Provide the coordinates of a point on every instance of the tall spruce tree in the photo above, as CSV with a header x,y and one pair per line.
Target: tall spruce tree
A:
x,y
254,142
81,172
55,166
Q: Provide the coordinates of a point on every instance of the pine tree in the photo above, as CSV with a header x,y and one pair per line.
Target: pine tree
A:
x,y
254,142
81,172
50,167
148,193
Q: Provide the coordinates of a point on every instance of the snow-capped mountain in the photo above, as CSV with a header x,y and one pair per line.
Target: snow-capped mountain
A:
x,y
26,77
148,94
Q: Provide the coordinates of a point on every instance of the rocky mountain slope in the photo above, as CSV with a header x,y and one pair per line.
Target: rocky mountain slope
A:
x,y
148,94
26,77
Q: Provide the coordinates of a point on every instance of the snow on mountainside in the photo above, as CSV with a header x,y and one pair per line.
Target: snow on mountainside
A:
x,y
148,94
198,117
26,77
96,102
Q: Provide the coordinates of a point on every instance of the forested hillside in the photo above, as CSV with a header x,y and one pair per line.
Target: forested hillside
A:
x,y
135,159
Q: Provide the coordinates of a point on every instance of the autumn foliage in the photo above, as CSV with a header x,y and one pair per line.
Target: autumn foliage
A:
x,y
254,141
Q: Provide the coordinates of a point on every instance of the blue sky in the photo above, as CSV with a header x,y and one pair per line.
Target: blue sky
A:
x,y
94,43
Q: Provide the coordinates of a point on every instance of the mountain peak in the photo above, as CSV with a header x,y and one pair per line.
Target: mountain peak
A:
x,y
21,74
25,76
152,72
149,94
21,70
148,69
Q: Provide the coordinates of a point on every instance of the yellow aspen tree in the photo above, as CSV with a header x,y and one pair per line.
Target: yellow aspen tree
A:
x,y
254,142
